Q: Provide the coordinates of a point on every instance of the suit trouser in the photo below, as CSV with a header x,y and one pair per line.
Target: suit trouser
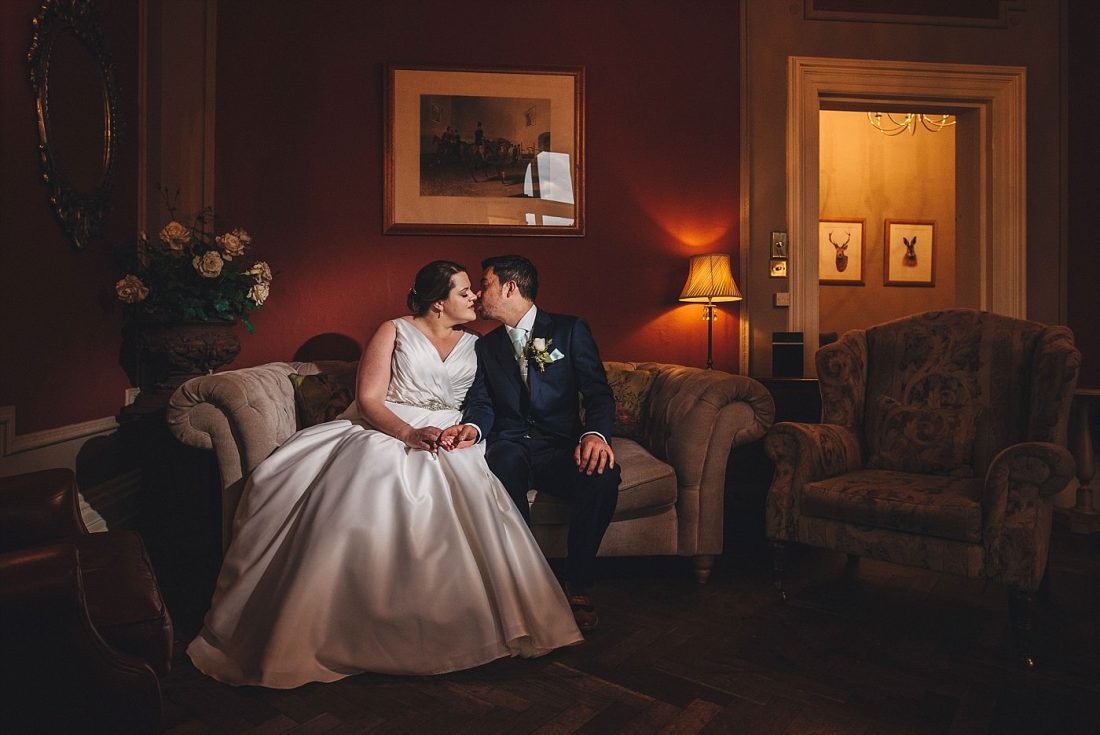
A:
x,y
521,464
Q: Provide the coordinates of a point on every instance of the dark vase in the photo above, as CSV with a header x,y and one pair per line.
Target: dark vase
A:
x,y
163,356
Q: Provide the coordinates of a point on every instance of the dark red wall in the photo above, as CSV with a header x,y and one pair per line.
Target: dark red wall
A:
x,y
299,161
299,164
60,324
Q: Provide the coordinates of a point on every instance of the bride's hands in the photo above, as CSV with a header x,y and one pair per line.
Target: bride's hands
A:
x,y
426,438
458,436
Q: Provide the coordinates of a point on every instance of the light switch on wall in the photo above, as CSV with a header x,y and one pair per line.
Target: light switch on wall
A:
x,y
779,245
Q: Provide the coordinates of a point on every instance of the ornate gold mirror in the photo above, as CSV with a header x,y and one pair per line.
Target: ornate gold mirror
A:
x,y
77,104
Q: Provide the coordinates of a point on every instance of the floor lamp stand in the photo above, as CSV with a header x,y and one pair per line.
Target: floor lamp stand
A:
x,y
710,316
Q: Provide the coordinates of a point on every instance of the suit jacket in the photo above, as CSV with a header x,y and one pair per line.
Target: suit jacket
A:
x,y
503,407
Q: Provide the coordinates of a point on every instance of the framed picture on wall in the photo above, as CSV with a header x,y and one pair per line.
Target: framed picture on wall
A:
x,y
484,151
840,251
909,251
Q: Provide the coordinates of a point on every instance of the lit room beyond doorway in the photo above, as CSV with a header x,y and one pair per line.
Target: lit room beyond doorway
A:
x,y
887,240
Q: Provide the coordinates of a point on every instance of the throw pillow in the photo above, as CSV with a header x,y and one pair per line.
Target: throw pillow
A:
x,y
321,397
631,389
923,440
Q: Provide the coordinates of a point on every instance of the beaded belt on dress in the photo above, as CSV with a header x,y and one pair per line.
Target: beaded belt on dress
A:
x,y
434,404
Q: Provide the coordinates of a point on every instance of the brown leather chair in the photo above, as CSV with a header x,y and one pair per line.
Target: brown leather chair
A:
x,y
82,623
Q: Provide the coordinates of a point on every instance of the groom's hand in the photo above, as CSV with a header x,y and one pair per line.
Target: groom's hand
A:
x,y
593,454
458,436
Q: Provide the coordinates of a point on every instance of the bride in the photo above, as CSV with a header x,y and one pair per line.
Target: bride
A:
x,y
358,546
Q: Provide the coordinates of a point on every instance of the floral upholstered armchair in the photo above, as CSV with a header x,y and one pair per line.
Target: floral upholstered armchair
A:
x,y
941,446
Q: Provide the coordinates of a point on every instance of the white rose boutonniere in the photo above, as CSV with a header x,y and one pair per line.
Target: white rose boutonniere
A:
x,y
539,351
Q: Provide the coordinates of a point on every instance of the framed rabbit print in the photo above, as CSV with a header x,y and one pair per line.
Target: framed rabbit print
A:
x,y
840,252
909,250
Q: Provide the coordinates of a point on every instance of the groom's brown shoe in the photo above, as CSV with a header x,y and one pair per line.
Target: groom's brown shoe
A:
x,y
584,612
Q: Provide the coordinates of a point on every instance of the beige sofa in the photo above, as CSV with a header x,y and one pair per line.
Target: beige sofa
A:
x,y
674,475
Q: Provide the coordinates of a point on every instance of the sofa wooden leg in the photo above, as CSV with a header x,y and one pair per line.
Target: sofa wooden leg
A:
x,y
778,548
1021,609
703,564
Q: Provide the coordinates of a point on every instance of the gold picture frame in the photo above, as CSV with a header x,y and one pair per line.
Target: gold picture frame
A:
x,y
484,151
840,251
909,250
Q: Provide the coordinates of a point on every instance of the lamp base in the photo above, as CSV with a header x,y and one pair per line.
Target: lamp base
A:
x,y
710,317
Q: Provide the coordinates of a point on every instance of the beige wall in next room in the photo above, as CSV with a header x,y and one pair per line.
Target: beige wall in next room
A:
x,y
866,175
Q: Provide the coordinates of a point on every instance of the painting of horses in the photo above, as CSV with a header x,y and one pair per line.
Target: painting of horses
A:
x,y
482,146
484,151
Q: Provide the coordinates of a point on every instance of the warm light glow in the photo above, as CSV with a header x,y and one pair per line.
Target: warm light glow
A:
x,y
710,280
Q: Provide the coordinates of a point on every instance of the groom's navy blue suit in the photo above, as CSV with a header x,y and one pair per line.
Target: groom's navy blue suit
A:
x,y
533,429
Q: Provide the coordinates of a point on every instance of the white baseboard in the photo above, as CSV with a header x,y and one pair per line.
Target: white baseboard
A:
x,y
40,450
13,444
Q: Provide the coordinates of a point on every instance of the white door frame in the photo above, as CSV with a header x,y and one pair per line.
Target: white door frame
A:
x,y
995,93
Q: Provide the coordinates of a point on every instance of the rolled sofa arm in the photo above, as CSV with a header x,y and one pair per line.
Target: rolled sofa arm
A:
x,y
1017,509
694,417
38,508
804,453
243,415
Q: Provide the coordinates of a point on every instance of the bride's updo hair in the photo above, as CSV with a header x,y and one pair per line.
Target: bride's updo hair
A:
x,y
433,283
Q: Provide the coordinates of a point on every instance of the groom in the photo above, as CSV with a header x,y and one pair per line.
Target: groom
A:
x,y
524,402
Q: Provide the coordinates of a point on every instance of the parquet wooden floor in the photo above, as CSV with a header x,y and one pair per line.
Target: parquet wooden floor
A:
x,y
859,650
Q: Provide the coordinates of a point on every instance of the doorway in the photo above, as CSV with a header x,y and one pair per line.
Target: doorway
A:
x,y
883,174
990,216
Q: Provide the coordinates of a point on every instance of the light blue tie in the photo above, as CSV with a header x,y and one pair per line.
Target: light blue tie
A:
x,y
519,345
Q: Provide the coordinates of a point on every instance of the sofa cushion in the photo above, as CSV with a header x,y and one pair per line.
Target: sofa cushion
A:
x,y
931,505
648,487
923,440
631,389
323,396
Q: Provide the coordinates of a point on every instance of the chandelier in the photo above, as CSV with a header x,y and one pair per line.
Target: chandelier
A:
x,y
889,123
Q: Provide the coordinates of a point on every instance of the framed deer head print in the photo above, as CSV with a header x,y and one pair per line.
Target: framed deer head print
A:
x,y
909,250
840,252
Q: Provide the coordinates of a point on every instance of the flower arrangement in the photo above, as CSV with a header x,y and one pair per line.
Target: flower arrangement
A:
x,y
189,275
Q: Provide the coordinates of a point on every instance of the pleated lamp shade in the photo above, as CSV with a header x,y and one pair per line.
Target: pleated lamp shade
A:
x,y
710,280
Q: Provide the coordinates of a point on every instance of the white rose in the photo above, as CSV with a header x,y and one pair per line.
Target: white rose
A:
x,y
209,265
131,290
233,243
259,293
538,344
175,236
261,271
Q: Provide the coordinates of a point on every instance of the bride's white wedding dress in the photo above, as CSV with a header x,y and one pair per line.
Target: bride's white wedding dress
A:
x,y
353,553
